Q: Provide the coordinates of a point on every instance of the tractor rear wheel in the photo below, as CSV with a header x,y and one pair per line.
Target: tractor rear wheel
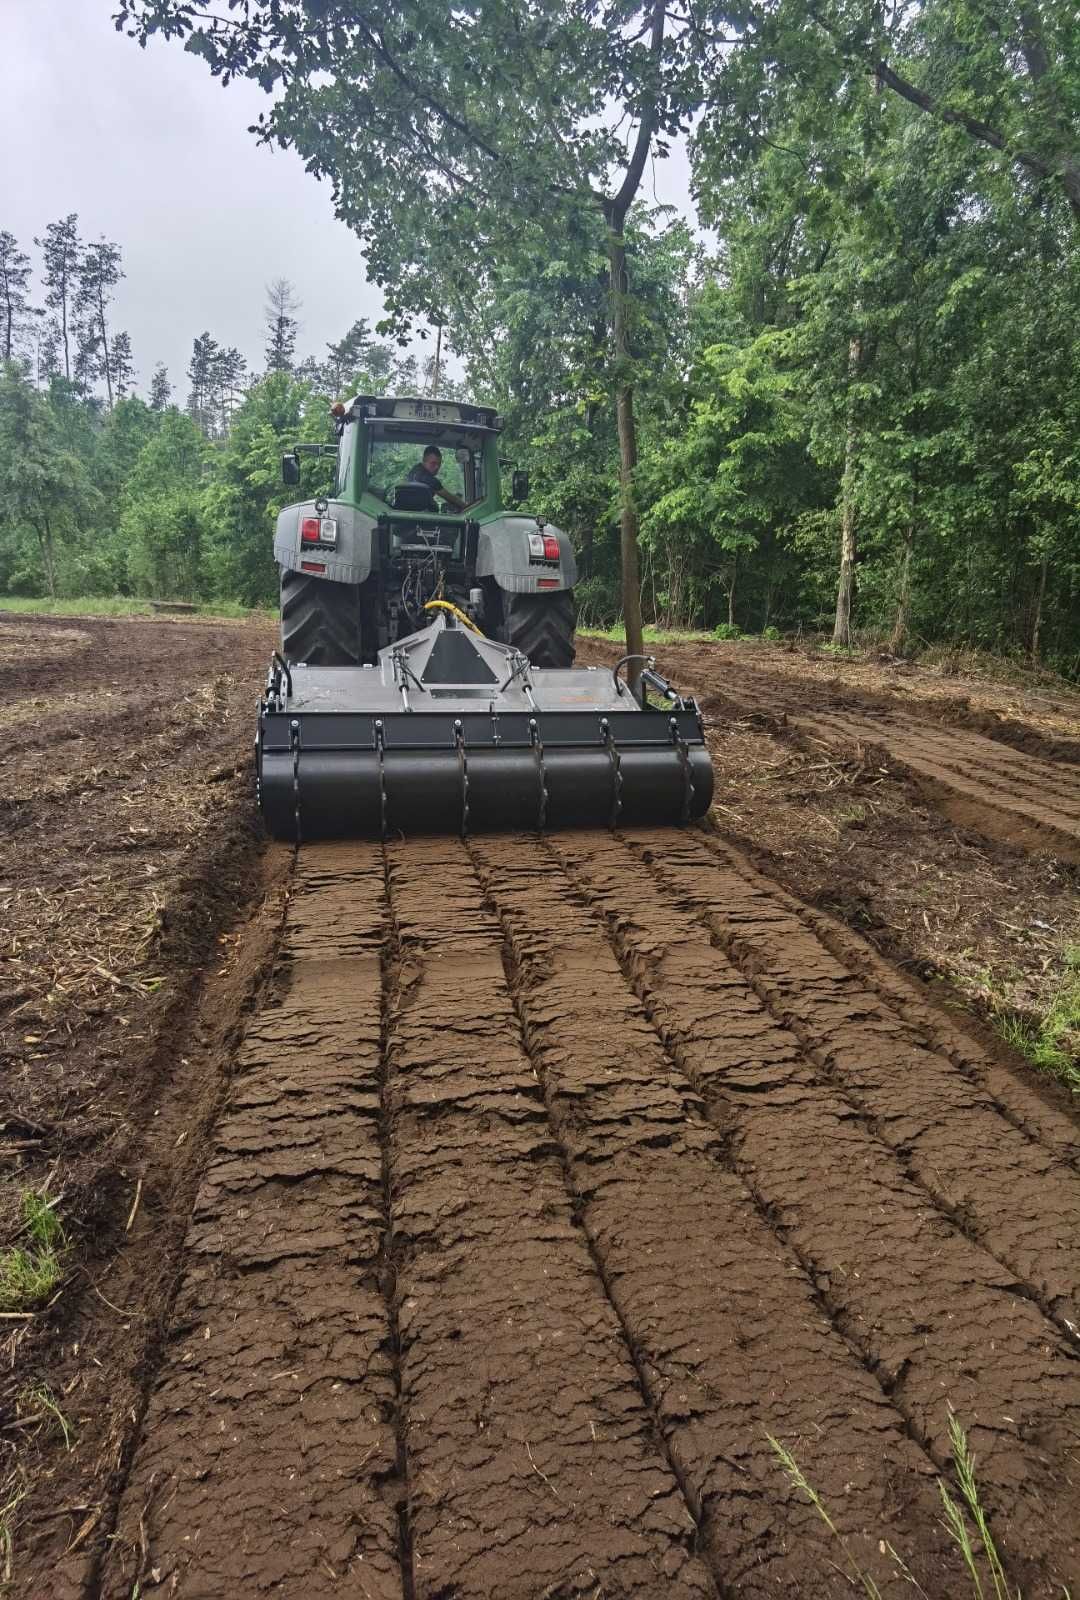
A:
x,y
541,626
320,621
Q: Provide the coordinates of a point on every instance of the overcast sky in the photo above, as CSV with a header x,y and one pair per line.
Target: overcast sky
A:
x,y
154,154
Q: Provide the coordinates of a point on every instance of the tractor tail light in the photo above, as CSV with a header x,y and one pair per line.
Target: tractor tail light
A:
x,y
547,583
551,547
318,530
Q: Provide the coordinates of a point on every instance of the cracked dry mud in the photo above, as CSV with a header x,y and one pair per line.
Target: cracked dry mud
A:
x,y
557,1176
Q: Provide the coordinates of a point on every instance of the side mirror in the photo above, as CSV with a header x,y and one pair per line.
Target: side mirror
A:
x,y
290,470
519,486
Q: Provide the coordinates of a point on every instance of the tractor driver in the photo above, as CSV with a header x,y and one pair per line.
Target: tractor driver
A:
x,y
426,472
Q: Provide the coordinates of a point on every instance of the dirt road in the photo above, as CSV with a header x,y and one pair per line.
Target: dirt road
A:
x,y
529,1188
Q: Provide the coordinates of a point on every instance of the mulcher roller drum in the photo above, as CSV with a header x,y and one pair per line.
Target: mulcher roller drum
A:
x,y
451,732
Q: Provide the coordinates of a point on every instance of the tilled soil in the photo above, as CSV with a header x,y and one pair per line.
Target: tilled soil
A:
x,y
966,763
550,1183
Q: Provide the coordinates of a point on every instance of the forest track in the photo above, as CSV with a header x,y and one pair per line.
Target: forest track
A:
x,y
555,1177
1026,797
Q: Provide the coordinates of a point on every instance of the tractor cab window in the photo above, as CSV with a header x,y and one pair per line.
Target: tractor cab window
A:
x,y
392,457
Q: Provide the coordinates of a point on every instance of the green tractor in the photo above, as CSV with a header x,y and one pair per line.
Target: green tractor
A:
x,y
425,682
417,515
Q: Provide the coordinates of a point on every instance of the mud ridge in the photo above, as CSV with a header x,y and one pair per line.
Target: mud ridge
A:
x,y
767,1112
671,1222
533,1466
390,991
993,1225
516,980
1037,1107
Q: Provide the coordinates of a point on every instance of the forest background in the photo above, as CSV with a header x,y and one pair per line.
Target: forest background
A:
x,y
856,413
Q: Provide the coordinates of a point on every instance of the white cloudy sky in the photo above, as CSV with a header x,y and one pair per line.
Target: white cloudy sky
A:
x,y
152,152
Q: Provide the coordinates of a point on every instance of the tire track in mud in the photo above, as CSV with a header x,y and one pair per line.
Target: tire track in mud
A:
x,y
1019,799
533,1465
268,1460
728,1332
979,782
931,1313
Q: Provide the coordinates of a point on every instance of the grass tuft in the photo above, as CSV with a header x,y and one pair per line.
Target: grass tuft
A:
x,y
1053,1043
40,1403
965,1522
30,1271
14,1493
799,1481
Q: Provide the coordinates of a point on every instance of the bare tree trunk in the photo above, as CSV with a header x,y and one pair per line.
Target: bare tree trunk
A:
x,y
731,591
902,622
624,418
846,587
105,346
1036,629
438,362
48,555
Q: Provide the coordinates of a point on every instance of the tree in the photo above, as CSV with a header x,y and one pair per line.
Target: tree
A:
x,y
201,375
62,255
481,151
282,326
44,485
163,519
160,388
123,365
14,296
348,357
99,273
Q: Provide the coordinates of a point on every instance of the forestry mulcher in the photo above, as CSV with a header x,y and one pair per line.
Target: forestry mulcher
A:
x,y
425,682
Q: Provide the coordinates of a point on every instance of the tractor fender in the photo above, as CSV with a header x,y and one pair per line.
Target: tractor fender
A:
x,y
505,554
349,560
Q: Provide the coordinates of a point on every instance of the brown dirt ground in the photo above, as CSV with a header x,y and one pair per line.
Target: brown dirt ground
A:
x,y
454,1220
838,780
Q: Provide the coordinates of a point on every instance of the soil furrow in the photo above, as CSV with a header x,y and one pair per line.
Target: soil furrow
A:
x,y
533,1466
268,1460
727,1329
1032,1105
983,799
936,1318
972,1162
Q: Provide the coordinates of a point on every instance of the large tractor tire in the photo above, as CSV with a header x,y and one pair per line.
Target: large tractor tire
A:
x,y
541,626
320,621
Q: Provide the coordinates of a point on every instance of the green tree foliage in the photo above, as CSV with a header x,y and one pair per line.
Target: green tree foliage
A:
x,y
61,251
47,497
163,518
246,491
15,312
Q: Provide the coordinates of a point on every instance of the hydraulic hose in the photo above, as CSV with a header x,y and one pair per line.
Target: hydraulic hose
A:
x,y
446,605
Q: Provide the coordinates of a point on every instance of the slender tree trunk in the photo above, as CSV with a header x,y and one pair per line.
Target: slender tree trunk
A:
x,y
105,348
63,320
731,590
1039,599
624,417
9,318
438,362
902,622
48,555
846,587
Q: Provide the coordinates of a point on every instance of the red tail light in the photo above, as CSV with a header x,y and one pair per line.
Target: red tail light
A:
x,y
547,583
313,566
551,547
309,529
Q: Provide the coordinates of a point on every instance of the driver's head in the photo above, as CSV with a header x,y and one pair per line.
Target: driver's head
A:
x,y
432,458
